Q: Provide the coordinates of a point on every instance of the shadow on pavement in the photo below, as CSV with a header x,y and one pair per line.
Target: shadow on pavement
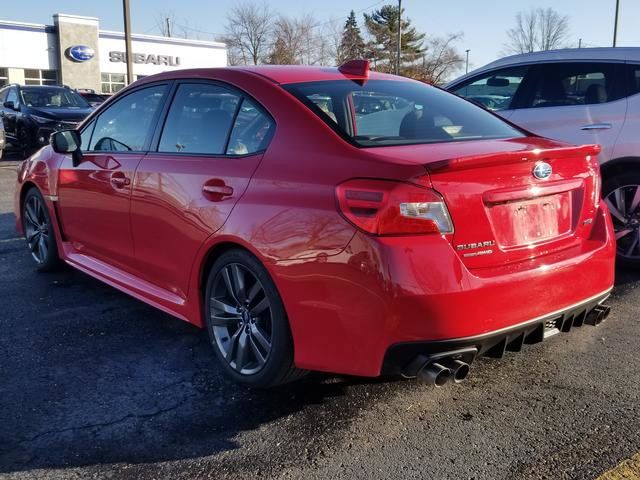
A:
x,y
91,376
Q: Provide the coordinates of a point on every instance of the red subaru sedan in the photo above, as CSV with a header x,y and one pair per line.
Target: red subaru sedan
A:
x,y
325,219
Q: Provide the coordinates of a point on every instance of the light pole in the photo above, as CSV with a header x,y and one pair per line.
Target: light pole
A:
x,y
127,40
466,69
399,46
615,26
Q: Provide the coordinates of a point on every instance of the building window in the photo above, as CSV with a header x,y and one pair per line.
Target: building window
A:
x,y
112,82
4,76
40,77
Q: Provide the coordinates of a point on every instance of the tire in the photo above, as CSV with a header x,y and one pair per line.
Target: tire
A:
x,y
247,324
622,195
39,232
23,147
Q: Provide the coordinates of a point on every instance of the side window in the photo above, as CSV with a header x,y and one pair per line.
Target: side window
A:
x,y
325,103
634,70
575,84
252,130
12,96
3,96
125,125
494,90
199,120
85,136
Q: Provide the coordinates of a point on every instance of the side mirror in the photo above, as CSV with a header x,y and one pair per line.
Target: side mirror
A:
x,y
10,105
67,141
498,82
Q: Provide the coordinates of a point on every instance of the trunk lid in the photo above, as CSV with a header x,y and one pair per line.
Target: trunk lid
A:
x,y
501,211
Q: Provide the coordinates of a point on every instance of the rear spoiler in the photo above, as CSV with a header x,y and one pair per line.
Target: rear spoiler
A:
x,y
494,159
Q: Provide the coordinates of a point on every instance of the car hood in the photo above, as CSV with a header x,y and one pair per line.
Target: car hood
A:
x,y
66,114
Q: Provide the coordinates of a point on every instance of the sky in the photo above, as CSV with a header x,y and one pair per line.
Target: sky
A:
x,y
484,23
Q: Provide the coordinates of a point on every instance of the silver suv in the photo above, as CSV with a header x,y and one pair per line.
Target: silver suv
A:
x,y
587,95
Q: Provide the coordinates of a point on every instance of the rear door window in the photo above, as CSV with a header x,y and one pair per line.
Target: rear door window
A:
x,y
494,90
199,120
567,84
633,72
252,130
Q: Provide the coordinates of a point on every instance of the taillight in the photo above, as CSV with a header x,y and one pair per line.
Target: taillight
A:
x,y
384,207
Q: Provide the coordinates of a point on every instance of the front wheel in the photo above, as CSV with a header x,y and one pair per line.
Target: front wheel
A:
x,y
247,323
38,231
622,195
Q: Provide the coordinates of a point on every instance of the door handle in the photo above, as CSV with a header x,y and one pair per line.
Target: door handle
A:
x,y
118,180
596,126
216,190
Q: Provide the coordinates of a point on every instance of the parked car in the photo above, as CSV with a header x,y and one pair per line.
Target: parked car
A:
x,y
3,139
305,239
31,113
587,95
92,97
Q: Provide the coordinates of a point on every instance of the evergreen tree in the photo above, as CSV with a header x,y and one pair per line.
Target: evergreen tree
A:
x,y
382,25
351,45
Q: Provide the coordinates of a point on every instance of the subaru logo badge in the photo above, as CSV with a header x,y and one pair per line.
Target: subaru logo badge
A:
x,y
542,170
80,53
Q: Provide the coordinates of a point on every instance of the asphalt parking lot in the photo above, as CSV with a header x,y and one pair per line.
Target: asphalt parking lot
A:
x,y
94,384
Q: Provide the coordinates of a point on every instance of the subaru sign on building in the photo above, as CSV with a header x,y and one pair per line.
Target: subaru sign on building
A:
x,y
74,51
80,53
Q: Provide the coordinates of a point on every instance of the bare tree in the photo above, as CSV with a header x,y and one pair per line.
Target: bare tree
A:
x,y
537,29
553,27
442,59
248,32
168,25
300,41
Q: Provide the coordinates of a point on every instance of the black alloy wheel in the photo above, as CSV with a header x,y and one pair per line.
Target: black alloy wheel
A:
x,y
622,196
39,232
247,323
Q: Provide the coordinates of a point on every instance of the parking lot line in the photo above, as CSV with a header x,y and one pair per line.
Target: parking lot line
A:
x,y
626,470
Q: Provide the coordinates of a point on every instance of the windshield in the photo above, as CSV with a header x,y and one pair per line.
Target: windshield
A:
x,y
54,97
391,112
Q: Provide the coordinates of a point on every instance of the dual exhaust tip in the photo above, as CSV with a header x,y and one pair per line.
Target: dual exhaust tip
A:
x,y
598,315
440,372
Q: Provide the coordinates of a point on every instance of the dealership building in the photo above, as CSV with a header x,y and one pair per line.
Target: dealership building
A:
x,y
75,52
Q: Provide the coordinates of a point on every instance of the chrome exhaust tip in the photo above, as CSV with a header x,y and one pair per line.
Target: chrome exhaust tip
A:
x,y
434,374
459,369
597,315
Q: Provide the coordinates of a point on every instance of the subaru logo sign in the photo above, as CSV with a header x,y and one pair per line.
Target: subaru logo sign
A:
x,y
542,170
80,53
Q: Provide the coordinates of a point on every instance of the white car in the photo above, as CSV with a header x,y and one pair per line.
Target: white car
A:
x,y
587,95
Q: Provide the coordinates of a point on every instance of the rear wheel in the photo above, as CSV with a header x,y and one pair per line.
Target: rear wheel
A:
x,y
38,231
622,195
247,323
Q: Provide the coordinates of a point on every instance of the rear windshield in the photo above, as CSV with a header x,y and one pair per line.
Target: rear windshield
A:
x,y
391,112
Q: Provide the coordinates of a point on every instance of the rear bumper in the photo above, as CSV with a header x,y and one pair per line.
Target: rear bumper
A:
x,y
347,311
399,357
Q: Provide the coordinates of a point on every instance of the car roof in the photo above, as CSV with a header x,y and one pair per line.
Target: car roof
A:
x,y
280,74
621,54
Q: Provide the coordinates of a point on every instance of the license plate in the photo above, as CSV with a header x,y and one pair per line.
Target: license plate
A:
x,y
530,221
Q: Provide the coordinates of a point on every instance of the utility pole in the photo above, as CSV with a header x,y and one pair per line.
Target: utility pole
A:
x,y
127,40
168,27
466,70
399,47
615,26
579,43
